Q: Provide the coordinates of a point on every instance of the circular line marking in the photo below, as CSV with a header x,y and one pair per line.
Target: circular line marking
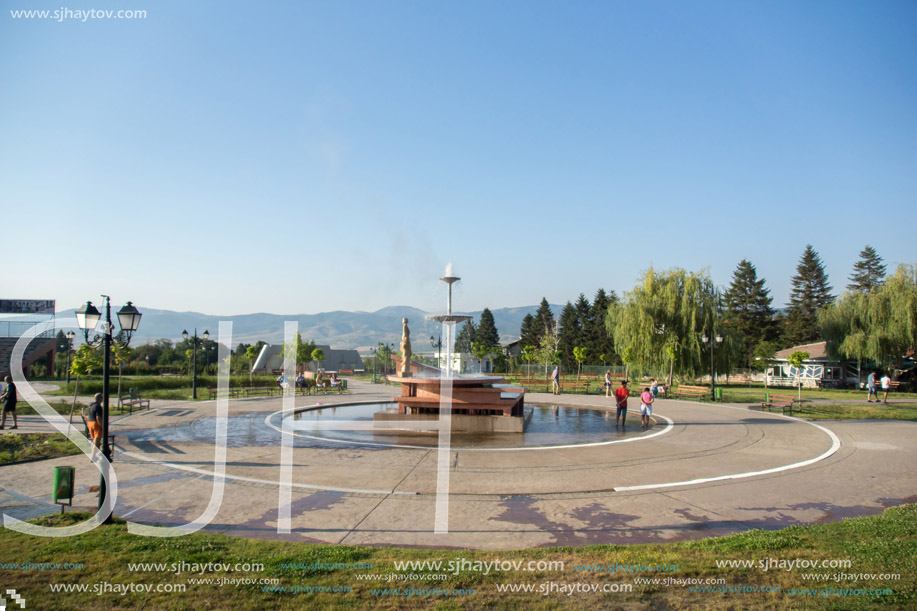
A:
x,y
835,446
260,481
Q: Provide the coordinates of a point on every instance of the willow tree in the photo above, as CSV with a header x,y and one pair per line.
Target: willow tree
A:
x,y
880,325
660,322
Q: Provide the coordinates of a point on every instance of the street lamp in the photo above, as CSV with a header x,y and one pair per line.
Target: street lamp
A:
x,y
712,342
87,318
373,350
194,344
69,335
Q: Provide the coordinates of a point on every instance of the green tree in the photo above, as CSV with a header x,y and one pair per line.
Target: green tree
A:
x,y
481,352
810,293
868,272
661,321
464,338
579,353
796,359
486,333
85,361
764,357
303,350
526,335
529,354
547,352
543,324
568,335
880,325
251,353
748,309
120,355
597,338
318,355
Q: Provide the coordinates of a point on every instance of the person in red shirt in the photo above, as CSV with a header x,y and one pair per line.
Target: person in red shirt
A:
x,y
621,399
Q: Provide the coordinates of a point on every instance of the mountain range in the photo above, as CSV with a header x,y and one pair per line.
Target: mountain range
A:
x,y
339,329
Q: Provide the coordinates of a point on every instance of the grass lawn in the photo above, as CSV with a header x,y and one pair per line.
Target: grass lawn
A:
x,y
16,448
847,411
871,551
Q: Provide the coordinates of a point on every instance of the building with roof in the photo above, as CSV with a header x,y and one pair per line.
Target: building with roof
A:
x,y
341,361
817,370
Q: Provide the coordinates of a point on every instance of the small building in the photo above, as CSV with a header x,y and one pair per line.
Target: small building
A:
x,y
341,361
817,370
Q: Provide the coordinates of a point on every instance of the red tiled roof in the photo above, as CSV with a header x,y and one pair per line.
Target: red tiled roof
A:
x,y
818,350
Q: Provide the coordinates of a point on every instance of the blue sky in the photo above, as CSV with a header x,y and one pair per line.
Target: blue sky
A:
x,y
219,157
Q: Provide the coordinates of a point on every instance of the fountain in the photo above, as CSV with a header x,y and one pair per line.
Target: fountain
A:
x,y
475,403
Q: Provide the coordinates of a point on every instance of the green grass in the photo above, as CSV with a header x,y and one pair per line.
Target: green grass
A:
x,y
883,544
848,411
30,446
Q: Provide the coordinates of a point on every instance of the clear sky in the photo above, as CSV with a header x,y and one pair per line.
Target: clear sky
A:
x,y
301,157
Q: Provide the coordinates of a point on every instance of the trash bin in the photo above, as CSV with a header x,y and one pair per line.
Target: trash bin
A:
x,y
343,384
719,393
63,486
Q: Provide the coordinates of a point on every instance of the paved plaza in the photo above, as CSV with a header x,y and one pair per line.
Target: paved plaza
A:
x,y
702,470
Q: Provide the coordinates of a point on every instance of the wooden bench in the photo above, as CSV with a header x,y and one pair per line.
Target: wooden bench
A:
x,y
695,392
784,402
575,386
132,399
260,391
234,392
535,384
892,385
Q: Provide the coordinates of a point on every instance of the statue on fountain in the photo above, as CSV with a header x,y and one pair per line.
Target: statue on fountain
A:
x,y
405,349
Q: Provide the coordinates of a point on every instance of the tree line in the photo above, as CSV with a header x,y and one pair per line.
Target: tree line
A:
x,y
667,322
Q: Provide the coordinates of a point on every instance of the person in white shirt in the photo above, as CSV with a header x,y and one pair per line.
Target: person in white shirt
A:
x,y
886,384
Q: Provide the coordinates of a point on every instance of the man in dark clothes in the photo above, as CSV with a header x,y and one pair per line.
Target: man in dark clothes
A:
x,y
8,398
93,417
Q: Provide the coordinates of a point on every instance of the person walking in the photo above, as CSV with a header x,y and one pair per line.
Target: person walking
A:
x,y
92,415
8,398
608,382
654,388
886,385
621,395
646,407
871,387
555,381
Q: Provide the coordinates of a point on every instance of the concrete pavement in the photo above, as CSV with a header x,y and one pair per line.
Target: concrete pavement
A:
x,y
715,470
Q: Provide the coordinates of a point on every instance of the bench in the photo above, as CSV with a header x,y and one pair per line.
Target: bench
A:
x,y
892,385
132,399
575,386
784,402
695,392
262,391
233,392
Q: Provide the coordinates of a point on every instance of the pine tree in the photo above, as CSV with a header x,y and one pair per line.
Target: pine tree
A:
x,y
526,331
598,339
811,292
582,317
570,330
868,272
543,323
464,338
486,334
748,308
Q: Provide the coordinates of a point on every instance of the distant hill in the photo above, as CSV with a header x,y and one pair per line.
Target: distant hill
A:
x,y
339,329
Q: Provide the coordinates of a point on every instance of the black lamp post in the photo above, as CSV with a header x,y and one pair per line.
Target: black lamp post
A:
x,y
194,344
69,335
712,342
87,318
375,357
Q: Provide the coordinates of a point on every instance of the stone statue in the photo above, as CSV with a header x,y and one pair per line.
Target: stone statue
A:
x,y
405,349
